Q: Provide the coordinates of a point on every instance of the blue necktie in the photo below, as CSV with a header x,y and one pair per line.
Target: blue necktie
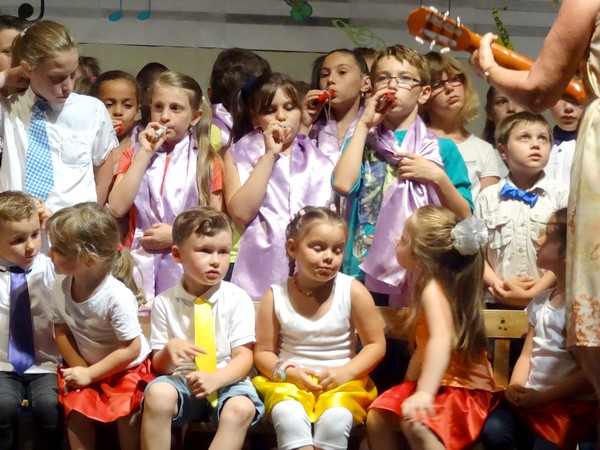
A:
x,y
21,350
39,173
509,191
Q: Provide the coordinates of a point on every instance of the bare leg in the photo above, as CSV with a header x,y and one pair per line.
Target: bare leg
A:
x,y
81,431
382,430
419,436
160,406
589,360
128,429
235,419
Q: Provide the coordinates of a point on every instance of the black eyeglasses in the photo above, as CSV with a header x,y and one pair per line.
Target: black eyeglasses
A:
x,y
404,81
456,80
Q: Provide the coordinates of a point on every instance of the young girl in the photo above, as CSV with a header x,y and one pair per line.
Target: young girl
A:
x,y
449,388
64,160
270,174
545,402
171,169
452,104
95,326
120,94
306,339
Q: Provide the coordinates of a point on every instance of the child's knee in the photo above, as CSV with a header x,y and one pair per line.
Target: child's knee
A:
x,y
161,398
238,410
378,419
10,407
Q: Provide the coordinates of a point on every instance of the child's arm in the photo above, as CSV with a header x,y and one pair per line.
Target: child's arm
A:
x,y
347,170
67,346
175,351
103,176
310,110
520,291
437,352
79,377
127,184
204,383
367,323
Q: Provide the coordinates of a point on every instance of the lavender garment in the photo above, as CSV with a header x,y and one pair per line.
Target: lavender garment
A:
x,y
401,199
222,119
162,195
300,180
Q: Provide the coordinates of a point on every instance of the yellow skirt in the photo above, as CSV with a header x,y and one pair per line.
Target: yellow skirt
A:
x,y
355,396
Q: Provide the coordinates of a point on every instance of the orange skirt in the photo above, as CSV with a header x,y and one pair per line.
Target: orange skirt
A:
x,y
459,413
110,398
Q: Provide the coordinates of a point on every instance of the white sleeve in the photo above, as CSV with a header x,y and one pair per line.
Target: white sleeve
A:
x,y
159,330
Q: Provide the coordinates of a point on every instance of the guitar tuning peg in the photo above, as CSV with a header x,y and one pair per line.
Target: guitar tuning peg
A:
x,y
419,40
446,14
457,22
433,9
432,45
445,50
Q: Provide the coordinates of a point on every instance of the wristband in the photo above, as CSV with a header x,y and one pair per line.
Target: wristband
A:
x,y
486,72
278,371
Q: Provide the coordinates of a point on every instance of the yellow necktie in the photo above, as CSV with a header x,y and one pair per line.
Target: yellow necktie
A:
x,y
204,337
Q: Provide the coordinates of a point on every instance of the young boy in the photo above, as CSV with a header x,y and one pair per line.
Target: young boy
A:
x,y
393,169
566,113
28,356
202,243
516,211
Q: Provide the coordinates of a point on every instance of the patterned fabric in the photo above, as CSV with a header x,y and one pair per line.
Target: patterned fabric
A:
x,y
39,173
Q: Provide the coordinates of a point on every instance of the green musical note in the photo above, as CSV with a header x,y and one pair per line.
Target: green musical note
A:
x,y
300,9
503,35
360,36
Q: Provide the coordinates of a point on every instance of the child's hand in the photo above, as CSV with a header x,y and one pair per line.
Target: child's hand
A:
x,y
158,237
16,78
375,108
418,406
303,378
179,351
332,378
43,212
203,383
118,126
415,167
514,291
523,397
76,377
147,138
275,136
310,107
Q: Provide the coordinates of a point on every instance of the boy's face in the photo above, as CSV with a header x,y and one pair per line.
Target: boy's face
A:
x,y
20,242
205,260
566,113
7,36
527,149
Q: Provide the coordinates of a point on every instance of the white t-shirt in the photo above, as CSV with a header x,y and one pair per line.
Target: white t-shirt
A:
x,y
560,161
480,159
233,320
80,135
39,283
102,322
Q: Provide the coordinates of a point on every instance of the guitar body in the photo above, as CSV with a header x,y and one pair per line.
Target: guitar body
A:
x,y
428,24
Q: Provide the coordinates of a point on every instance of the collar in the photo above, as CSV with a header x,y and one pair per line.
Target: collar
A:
x,y
189,299
7,266
31,97
561,135
539,187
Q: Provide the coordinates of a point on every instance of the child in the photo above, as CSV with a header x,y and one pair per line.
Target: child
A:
x,y
516,209
270,174
545,402
120,94
10,28
497,107
306,339
96,327
145,79
449,388
188,391
163,176
85,77
566,113
390,170
452,104
56,143
20,243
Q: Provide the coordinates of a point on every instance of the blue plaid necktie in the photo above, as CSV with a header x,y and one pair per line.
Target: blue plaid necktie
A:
x,y
509,191
39,173
21,350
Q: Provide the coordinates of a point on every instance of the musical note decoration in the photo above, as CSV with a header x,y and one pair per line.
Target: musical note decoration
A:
x,y
301,9
360,36
117,15
26,11
503,36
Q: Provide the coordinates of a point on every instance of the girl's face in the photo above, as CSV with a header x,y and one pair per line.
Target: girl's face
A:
x,y
7,37
341,73
319,253
65,262
403,243
447,94
281,110
501,107
551,251
171,107
53,78
120,99
566,113
528,147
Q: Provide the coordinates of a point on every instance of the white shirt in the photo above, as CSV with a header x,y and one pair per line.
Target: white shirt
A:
x,y
233,320
480,159
102,322
80,135
560,161
39,283
514,227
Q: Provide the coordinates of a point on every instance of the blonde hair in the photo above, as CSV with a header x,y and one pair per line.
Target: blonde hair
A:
x,y
87,229
460,277
199,221
443,63
207,157
509,123
16,206
402,54
42,40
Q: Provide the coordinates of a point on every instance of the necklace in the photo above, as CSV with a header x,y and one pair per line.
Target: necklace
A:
x,y
306,293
